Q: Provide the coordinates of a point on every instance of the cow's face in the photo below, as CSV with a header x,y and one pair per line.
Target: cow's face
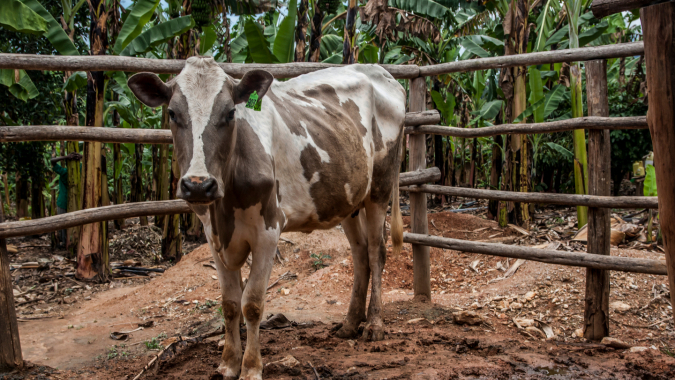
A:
x,y
201,107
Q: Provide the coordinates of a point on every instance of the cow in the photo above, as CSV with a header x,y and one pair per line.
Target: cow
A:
x,y
324,148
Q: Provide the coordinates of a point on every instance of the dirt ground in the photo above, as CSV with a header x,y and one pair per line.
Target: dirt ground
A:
x,y
526,323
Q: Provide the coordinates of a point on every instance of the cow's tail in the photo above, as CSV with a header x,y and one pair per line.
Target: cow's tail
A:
x,y
396,219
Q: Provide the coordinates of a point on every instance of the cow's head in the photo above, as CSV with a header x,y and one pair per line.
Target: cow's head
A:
x,y
201,104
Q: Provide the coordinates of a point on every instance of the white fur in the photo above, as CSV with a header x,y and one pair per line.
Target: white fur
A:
x,y
200,81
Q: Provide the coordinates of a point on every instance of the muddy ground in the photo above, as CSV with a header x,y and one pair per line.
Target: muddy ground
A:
x,y
66,334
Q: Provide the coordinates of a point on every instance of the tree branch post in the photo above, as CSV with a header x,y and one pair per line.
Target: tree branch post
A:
x,y
658,25
418,201
10,346
596,310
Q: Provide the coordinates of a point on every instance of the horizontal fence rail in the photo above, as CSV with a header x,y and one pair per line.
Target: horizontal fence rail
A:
x,y
132,210
289,70
548,198
602,8
577,259
588,122
128,135
92,215
531,59
170,66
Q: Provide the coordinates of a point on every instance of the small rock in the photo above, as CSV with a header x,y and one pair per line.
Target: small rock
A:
x,y
619,306
351,343
614,343
467,317
475,305
523,322
87,298
516,305
221,343
285,291
529,296
579,333
16,292
638,349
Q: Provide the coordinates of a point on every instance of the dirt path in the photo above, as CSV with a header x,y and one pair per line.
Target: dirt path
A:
x,y
422,342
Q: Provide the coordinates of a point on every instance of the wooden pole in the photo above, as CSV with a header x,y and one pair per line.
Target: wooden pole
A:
x,y
658,25
610,123
546,198
602,8
596,311
575,259
10,346
418,201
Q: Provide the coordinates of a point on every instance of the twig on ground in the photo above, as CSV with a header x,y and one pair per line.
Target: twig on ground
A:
x,y
314,369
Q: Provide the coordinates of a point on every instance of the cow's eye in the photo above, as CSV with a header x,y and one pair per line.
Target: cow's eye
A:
x,y
230,115
172,115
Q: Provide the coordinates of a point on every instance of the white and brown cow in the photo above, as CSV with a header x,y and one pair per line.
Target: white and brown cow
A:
x,y
324,149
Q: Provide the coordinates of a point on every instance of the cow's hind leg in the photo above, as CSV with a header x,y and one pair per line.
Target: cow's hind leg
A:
x,y
355,229
253,301
377,255
230,288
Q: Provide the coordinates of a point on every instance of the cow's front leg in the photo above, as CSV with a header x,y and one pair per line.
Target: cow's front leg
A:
x,y
230,287
253,303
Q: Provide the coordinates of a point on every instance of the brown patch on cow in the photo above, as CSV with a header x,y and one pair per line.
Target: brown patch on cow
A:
x,y
377,135
385,171
326,94
310,161
336,129
230,310
292,121
252,313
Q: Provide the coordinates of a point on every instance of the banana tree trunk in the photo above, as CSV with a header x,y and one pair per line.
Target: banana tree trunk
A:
x,y
163,169
580,154
349,49
301,31
172,240
37,200
92,254
315,35
495,174
21,196
138,179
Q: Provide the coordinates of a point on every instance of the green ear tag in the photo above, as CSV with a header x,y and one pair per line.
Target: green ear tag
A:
x,y
258,105
252,100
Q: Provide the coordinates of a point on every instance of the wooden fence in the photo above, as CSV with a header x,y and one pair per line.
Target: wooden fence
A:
x,y
660,58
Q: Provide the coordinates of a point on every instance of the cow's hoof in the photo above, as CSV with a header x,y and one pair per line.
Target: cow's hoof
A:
x,y
225,373
346,333
373,333
251,376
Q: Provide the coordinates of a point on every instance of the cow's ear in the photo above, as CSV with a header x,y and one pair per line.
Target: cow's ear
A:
x,y
150,90
254,80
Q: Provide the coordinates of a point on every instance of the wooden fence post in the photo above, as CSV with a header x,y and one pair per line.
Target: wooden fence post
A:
x,y
10,347
596,311
418,201
658,26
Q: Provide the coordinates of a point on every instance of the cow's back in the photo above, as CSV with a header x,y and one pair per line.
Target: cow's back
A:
x,y
334,138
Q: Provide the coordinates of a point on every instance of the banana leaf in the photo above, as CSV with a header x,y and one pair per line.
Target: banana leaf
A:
x,y
208,38
77,80
133,25
257,44
285,39
158,34
17,17
55,34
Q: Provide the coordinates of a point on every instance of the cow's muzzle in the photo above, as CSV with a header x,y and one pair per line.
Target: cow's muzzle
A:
x,y
199,189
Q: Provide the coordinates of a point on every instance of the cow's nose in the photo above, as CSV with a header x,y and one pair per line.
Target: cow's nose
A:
x,y
199,189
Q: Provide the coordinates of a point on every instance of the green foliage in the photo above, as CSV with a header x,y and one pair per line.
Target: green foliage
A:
x,y
55,34
284,42
319,260
76,81
17,17
155,343
259,47
201,11
140,14
161,33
